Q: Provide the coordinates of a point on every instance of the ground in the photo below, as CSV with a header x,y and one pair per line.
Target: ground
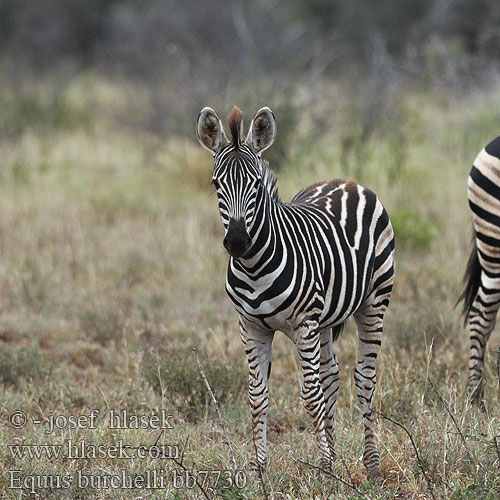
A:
x,y
112,268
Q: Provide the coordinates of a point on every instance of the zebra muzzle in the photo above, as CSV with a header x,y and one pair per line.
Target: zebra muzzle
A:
x,y
237,240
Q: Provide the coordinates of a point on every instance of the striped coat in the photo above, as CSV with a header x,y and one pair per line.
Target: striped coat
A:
x,y
302,268
333,242
481,295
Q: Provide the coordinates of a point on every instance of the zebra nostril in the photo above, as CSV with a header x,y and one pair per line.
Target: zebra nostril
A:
x,y
237,240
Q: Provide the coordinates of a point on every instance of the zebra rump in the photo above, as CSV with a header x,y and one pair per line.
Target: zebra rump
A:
x,y
481,294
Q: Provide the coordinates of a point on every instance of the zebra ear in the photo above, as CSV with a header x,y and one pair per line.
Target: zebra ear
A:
x,y
262,130
209,130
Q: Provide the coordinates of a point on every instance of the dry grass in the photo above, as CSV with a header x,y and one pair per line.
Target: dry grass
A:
x,y
111,264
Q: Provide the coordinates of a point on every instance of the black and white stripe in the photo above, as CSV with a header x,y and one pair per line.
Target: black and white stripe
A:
x,y
307,266
481,295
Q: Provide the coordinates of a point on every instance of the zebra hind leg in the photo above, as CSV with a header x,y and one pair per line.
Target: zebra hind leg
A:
x,y
329,379
369,319
308,344
258,346
479,324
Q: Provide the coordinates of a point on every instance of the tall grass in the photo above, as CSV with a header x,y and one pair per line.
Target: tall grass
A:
x,y
111,258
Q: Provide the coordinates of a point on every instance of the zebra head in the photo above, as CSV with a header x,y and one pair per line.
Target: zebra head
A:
x,y
238,170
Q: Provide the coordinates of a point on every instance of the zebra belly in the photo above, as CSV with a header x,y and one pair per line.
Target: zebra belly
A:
x,y
341,299
288,320
339,308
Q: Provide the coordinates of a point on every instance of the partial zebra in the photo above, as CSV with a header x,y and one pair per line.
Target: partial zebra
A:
x,y
302,268
481,294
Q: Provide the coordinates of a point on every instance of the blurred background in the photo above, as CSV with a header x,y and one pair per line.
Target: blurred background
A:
x,y
185,54
111,258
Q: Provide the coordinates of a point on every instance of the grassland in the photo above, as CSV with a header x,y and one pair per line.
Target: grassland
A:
x,y
112,269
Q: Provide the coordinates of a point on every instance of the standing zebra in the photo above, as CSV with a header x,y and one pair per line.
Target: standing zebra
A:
x,y
481,295
302,268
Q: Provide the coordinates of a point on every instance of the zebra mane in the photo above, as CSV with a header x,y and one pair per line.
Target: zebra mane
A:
x,y
235,122
269,180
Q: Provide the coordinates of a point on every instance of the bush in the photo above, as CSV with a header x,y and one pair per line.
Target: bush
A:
x,y
22,109
411,230
177,376
19,363
102,327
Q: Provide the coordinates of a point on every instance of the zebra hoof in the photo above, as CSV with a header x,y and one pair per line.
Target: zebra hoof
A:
x,y
476,396
375,475
326,464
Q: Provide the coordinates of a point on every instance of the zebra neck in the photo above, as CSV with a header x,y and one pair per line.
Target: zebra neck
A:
x,y
264,233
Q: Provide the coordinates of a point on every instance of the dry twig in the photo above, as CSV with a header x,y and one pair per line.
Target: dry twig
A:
x,y
498,365
329,473
461,434
228,441
419,460
346,468
474,462
183,467
495,442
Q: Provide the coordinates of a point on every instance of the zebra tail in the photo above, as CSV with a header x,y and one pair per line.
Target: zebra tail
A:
x,y
472,280
337,330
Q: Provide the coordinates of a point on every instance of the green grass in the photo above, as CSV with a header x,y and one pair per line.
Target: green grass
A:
x,y
112,268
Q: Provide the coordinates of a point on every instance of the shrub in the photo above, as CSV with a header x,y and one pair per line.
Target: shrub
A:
x,y
101,327
20,173
411,230
177,376
23,109
19,363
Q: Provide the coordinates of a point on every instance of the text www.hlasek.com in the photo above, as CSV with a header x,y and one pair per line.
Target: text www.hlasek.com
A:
x,y
82,450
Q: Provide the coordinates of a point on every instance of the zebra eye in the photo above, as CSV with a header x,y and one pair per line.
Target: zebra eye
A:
x,y
215,183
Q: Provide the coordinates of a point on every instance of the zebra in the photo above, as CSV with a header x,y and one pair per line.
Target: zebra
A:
x,y
301,268
481,293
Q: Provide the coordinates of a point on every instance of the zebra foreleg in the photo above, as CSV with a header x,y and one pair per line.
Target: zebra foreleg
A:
x,y
308,344
329,378
258,344
480,323
370,330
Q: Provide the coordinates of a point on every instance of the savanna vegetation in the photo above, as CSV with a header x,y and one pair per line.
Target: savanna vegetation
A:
x,y
111,259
